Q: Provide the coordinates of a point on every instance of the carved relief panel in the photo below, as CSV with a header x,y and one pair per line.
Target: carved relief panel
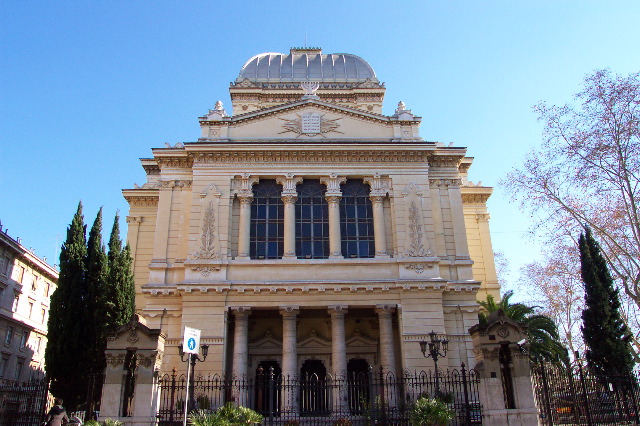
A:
x,y
207,246
416,243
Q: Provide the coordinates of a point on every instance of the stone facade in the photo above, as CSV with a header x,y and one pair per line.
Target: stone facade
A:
x,y
329,297
26,284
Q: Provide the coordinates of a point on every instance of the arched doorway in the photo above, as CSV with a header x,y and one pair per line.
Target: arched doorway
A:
x,y
314,394
268,388
358,385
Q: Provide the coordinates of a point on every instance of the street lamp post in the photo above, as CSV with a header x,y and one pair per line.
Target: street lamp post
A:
x,y
192,359
437,348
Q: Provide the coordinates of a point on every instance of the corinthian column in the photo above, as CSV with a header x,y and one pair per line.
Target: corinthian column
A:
x,y
244,231
289,201
387,352
339,358
289,197
335,243
290,358
333,196
378,226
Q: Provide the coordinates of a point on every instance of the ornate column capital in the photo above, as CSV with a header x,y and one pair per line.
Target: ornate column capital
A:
x,y
380,186
289,198
245,198
240,311
333,182
134,219
289,311
289,183
376,198
337,310
333,199
385,310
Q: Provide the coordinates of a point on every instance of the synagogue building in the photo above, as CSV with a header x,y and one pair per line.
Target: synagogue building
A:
x,y
307,232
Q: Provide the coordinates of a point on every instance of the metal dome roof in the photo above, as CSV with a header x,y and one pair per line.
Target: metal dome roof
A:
x,y
303,64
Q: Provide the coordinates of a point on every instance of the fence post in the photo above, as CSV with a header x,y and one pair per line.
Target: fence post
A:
x,y
584,393
271,383
545,392
467,410
372,396
173,393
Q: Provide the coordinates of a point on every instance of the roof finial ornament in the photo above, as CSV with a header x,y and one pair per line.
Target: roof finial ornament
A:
x,y
310,88
401,108
218,106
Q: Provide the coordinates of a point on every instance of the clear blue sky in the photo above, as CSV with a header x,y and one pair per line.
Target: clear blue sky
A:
x,y
87,88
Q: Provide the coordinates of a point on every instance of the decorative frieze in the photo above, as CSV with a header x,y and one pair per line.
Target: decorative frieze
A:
x,y
475,198
276,158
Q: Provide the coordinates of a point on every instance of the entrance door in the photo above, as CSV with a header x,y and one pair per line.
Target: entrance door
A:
x,y
314,394
358,385
268,388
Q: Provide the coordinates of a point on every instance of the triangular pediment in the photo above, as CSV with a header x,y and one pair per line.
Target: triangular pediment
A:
x,y
309,120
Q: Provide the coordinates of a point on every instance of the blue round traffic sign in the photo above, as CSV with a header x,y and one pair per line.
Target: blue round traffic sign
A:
x,y
191,343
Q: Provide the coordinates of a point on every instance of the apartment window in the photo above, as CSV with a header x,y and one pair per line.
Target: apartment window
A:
x,y
4,361
19,366
16,299
47,289
38,345
356,220
4,265
9,335
44,316
34,283
19,274
267,221
312,221
24,338
30,309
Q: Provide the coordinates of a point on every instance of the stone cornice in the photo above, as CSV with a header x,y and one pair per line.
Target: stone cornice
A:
x,y
321,105
476,194
141,197
381,287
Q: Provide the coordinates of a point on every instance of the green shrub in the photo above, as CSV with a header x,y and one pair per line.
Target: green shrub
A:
x,y
92,423
430,412
227,415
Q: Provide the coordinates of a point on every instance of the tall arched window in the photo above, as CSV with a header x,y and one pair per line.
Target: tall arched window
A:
x,y
356,220
312,221
267,221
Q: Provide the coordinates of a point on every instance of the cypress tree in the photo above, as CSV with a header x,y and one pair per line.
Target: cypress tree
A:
x,y
120,287
95,309
605,334
64,362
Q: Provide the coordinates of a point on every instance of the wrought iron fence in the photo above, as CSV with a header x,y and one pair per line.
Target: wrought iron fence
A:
x,y
573,395
356,399
22,403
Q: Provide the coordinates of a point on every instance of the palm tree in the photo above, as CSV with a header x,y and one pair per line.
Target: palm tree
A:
x,y
544,341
